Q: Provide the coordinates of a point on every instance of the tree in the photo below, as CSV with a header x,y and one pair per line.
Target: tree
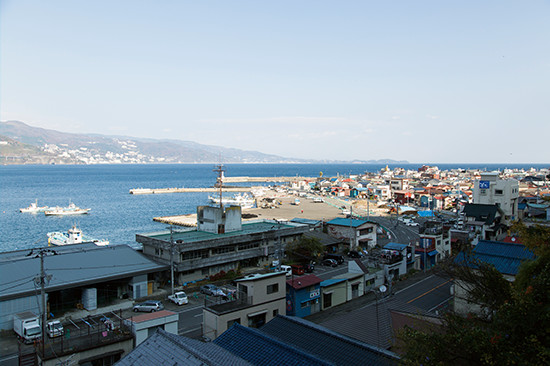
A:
x,y
515,329
304,249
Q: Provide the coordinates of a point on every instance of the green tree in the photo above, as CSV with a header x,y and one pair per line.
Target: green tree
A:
x,y
304,249
514,329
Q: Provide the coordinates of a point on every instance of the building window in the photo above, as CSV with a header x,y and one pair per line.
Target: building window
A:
x,y
243,289
369,282
205,271
483,192
272,288
246,246
275,312
224,249
233,321
159,251
256,321
365,231
498,191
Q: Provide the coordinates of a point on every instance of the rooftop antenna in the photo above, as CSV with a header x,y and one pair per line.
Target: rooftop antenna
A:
x,y
219,183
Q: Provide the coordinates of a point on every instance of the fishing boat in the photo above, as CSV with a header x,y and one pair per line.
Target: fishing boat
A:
x,y
243,200
73,236
72,209
34,208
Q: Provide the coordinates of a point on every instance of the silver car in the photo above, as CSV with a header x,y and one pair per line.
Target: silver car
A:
x,y
149,306
212,290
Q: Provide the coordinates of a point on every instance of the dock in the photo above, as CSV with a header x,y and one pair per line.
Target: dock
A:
x,y
225,189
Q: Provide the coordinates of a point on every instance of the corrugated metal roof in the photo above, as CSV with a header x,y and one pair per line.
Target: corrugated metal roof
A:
x,y
332,281
74,265
304,281
346,222
505,257
395,246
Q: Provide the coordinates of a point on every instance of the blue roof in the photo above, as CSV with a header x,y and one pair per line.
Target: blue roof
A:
x,y
261,349
332,281
347,222
395,246
505,257
426,213
433,253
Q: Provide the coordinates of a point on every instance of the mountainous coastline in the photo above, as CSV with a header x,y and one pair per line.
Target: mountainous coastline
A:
x,y
21,143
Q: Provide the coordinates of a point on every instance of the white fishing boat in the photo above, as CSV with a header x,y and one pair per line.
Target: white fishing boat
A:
x,y
34,208
72,209
73,236
243,200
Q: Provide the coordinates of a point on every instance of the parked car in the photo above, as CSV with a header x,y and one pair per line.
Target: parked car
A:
x,y
212,290
337,257
329,262
286,269
179,298
149,306
297,269
354,254
309,267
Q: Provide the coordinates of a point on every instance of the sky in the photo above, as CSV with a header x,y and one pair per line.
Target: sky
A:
x,y
423,81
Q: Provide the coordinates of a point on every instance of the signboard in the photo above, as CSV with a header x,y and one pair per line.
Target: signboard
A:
x,y
315,293
484,184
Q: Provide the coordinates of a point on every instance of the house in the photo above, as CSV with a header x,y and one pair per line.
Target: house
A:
x,y
282,341
437,234
259,298
483,222
394,258
334,292
221,242
145,325
506,257
303,295
358,233
331,244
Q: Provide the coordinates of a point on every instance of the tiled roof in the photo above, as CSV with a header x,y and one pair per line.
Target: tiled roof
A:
x,y
481,212
326,344
325,239
505,257
303,281
262,349
163,348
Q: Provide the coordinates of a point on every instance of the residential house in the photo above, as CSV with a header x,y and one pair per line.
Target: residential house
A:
x,y
358,233
143,326
483,222
303,295
259,298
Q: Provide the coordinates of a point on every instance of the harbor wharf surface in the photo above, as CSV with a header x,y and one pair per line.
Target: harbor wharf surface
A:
x,y
187,190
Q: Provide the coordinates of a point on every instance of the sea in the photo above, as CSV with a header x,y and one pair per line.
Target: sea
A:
x,y
116,214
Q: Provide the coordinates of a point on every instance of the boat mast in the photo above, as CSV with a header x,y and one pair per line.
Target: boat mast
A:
x,y
219,183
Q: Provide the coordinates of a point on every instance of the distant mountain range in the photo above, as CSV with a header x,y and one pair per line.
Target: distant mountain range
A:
x,y
24,144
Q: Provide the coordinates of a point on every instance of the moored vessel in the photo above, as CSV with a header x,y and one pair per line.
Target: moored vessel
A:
x,y
243,200
73,236
72,209
34,208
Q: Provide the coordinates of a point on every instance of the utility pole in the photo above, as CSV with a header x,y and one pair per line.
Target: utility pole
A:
x,y
172,258
351,231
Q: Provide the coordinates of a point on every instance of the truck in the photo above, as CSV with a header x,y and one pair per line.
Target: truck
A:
x,y
178,298
54,329
27,326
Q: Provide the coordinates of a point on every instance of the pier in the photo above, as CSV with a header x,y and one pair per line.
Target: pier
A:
x,y
225,189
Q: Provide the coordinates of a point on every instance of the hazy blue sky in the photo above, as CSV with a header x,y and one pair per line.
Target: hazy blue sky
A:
x,y
424,81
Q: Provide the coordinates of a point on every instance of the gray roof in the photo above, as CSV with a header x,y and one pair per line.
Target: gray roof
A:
x,y
164,348
71,266
326,344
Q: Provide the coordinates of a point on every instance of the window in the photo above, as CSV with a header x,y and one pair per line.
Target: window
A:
x,y
275,312
224,249
159,252
246,246
498,191
256,321
205,271
243,289
369,282
365,231
272,288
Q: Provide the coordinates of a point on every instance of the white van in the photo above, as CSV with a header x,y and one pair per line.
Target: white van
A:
x,y
287,270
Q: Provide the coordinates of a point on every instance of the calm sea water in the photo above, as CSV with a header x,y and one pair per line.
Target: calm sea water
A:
x,y
117,215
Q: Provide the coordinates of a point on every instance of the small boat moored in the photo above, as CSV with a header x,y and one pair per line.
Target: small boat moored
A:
x,y
73,236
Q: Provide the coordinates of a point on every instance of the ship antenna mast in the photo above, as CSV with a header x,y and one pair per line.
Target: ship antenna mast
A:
x,y
219,183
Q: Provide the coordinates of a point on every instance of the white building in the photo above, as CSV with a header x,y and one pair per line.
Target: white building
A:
x,y
491,190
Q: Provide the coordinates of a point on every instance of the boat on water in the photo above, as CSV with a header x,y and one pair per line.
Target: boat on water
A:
x,y
34,208
73,236
243,200
72,209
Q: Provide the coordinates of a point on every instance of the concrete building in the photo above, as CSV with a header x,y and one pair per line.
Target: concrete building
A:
x,y
491,190
145,325
221,242
357,233
259,298
436,234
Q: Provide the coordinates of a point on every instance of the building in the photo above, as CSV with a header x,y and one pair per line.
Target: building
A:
x,y
143,326
483,222
79,276
221,242
303,295
437,234
491,190
506,257
358,233
259,298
